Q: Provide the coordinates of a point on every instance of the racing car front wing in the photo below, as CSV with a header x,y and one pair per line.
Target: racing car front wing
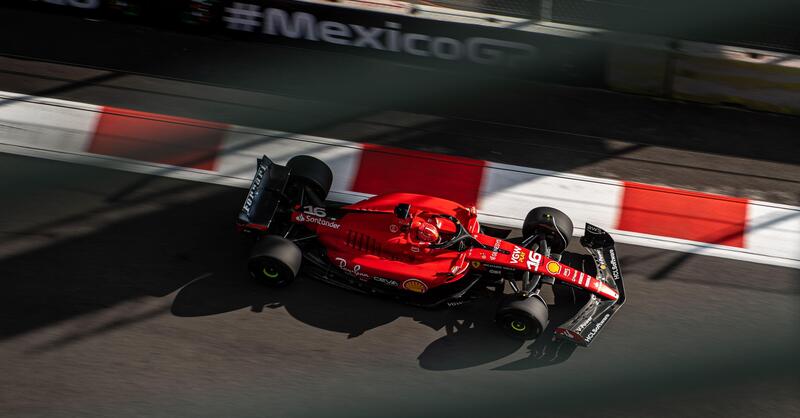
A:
x,y
595,314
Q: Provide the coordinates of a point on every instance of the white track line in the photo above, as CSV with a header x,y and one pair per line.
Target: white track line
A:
x,y
60,130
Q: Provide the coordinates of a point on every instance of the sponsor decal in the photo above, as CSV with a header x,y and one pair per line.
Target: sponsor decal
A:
x,y
583,325
355,271
390,37
534,260
414,249
393,228
553,267
614,268
597,327
388,282
319,221
517,255
251,194
494,271
476,264
599,259
495,249
415,285
593,229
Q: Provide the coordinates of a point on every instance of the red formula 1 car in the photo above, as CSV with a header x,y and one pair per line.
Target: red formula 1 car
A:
x,y
424,250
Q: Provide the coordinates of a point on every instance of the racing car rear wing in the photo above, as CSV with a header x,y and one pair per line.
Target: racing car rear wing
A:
x,y
264,195
587,323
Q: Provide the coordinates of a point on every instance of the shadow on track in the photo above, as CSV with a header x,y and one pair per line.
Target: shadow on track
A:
x,y
471,339
470,343
177,238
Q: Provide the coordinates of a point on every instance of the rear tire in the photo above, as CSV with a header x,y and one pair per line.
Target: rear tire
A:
x,y
312,173
554,224
275,261
522,319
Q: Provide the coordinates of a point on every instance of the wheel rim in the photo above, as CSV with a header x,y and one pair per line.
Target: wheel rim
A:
x,y
518,326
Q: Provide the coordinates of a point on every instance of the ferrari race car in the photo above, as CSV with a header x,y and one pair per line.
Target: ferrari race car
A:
x,y
424,250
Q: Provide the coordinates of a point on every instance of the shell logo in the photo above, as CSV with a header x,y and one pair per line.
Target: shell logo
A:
x,y
553,267
415,285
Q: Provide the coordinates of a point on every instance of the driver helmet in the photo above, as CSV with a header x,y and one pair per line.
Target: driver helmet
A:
x,y
427,232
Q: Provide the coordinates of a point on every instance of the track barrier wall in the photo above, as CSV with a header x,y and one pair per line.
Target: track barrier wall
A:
x,y
461,40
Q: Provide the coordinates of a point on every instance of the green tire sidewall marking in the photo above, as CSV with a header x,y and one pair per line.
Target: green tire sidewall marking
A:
x,y
270,275
518,326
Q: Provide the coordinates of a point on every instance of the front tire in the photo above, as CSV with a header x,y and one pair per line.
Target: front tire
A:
x,y
522,318
275,261
552,223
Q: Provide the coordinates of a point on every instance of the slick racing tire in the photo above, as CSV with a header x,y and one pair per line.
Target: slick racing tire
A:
x,y
312,173
522,318
554,224
275,261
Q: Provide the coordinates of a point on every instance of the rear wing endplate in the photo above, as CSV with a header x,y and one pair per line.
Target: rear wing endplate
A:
x,y
263,197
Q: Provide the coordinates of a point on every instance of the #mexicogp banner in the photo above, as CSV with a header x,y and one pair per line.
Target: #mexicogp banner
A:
x,y
421,41
392,36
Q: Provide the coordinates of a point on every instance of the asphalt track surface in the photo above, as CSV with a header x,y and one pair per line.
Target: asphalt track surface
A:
x,y
120,303
130,301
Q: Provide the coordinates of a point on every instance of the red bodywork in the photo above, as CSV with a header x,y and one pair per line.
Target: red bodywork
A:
x,y
371,243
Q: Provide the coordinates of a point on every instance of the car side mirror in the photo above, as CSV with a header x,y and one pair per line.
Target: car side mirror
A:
x,y
402,210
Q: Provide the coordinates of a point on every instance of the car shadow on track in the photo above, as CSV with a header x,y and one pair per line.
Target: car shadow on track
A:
x,y
76,270
471,337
